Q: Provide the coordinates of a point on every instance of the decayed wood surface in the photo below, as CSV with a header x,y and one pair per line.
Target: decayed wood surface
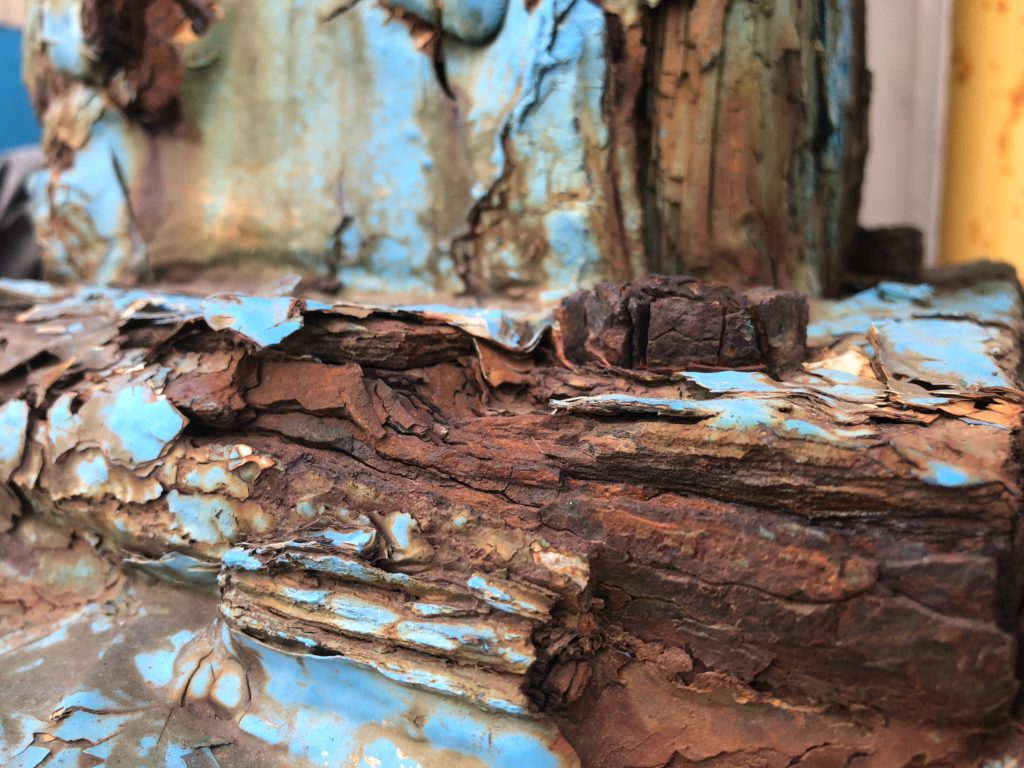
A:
x,y
756,155
795,576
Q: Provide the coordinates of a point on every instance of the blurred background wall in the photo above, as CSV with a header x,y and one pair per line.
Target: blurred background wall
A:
x,y
909,50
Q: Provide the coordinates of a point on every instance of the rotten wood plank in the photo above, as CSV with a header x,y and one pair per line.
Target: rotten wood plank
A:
x,y
827,556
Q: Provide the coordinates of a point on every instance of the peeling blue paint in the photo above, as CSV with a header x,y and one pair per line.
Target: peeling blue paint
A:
x,y
263,321
329,709
203,518
140,423
157,667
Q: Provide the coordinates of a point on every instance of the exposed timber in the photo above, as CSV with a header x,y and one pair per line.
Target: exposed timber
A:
x,y
672,564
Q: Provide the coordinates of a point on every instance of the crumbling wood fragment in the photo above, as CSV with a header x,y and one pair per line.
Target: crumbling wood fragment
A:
x,y
669,563
672,323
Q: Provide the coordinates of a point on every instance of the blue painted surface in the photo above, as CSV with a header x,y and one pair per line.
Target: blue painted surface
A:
x,y
264,321
18,126
328,709
141,423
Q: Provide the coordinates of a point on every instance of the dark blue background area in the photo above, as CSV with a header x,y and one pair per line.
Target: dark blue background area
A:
x,y
17,122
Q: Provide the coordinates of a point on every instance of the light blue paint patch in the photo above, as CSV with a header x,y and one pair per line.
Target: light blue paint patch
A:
x,y
57,636
732,381
146,744
91,700
472,21
575,254
101,625
263,321
921,293
344,568
101,751
227,690
90,193
206,519
500,598
941,352
61,31
727,414
401,526
30,758
469,736
93,472
383,754
91,726
988,303
210,480
316,597
361,617
175,755
66,758
806,429
319,708
359,541
13,428
157,667
947,475
142,422
449,637
242,559
14,741
515,331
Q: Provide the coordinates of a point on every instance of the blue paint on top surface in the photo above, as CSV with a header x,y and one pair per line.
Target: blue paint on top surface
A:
x,y
142,422
13,426
264,321
91,726
732,381
87,699
157,667
329,709
499,750
61,32
30,758
19,125
941,351
203,518
947,475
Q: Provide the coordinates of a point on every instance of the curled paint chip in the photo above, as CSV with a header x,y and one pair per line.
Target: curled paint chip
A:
x,y
263,321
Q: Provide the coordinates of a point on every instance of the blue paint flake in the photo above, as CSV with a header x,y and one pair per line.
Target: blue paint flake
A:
x,y
140,423
263,321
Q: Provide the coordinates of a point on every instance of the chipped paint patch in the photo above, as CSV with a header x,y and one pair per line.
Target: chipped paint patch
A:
x,y
13,434
263,321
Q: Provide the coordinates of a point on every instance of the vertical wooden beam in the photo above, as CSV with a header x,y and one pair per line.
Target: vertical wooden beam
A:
x,y
758,115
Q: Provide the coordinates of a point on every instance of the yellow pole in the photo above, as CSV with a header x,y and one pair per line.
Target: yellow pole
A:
x,y
983,209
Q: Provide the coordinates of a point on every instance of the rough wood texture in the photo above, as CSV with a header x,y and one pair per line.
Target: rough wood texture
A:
x,y
758,136
690,568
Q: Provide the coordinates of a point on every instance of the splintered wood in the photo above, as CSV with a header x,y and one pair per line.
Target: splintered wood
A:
x,y
656,519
